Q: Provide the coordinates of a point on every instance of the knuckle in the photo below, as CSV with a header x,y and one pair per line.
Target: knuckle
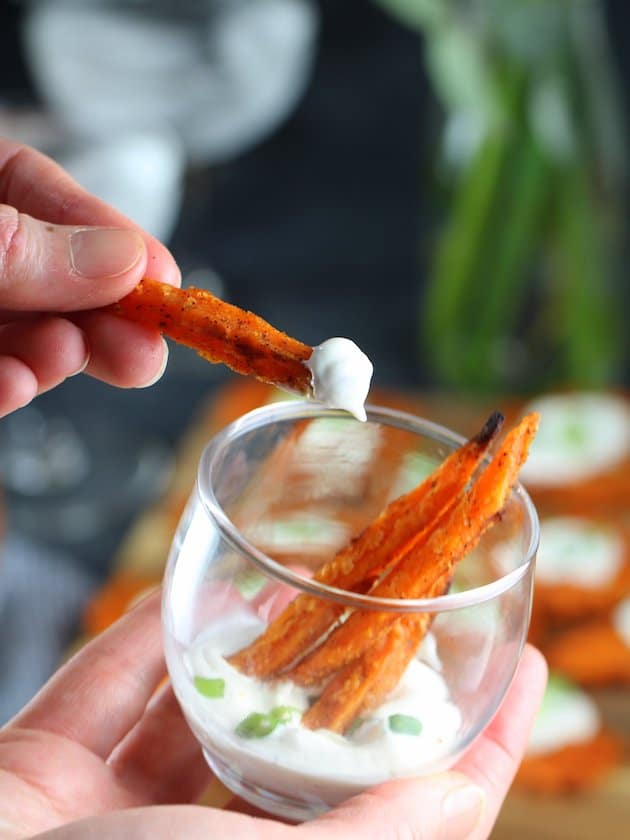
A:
x,y
12,242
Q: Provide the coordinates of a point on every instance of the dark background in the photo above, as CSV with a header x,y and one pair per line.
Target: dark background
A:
x,y
322,228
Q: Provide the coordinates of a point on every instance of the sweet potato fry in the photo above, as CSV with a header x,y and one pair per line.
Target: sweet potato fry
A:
x,y
220,333
307,618
345,694
378,671
426,559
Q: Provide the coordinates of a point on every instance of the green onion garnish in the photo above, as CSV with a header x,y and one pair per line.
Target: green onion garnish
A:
x,y
256,725
285,714
210,686
249,583
259,724
405,724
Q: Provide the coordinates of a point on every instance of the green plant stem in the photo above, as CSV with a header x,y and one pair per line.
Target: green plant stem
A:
x,y
589,327
513,242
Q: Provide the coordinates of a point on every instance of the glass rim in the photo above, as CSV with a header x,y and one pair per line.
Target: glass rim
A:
x,y
292,410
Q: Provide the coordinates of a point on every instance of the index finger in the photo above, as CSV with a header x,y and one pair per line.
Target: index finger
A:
x,y
100,694
34,184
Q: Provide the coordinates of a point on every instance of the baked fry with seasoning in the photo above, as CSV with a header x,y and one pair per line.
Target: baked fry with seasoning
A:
x,y
335,372
414,546
307,618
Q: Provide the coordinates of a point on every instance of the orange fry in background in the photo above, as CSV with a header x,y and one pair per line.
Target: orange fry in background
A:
x,y
592,654
220,333
428,557
576,767
307,618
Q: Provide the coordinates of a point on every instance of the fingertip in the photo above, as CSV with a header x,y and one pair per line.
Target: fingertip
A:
x,y
161,265
123,353
160,371
533,670
18,385
535,659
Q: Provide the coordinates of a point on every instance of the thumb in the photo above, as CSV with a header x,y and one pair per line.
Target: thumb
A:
x,y
447,806
61,268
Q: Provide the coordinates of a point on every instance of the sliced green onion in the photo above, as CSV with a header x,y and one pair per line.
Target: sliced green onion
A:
x,y
285,714
256,725
575,434
405,724
249,583
259,724
210,686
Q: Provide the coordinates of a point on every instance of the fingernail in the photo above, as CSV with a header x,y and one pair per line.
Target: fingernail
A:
x,y
142,596
461,812
160,372
104,252
86,359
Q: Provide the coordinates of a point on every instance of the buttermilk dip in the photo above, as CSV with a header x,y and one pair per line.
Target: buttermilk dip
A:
x,y
579,552
341,375
581,435
567,715
254,726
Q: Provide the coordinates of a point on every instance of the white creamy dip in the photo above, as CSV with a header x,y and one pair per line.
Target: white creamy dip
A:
x,y
580,435
621,620
566,716
341,375
578,552
320,766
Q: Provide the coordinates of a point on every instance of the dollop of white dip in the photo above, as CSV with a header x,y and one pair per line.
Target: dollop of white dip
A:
x,y
566,716
323,766
580,435
621,620
576,551
341,375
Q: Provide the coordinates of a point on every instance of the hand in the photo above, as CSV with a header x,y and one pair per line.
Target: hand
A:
x,y
99,753
64,254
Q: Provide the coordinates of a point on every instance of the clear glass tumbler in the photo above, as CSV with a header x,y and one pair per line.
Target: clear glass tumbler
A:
x,y
279,492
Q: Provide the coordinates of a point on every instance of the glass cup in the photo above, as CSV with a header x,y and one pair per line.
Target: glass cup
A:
x,y
279,492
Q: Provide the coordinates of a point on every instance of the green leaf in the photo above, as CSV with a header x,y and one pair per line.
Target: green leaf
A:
x,y
213,687
404,724
588,324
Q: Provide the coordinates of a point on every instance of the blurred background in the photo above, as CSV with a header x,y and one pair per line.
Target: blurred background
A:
x,y
444,181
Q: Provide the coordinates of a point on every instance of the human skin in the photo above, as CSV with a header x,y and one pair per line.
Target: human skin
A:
x,y
63,255
103,751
